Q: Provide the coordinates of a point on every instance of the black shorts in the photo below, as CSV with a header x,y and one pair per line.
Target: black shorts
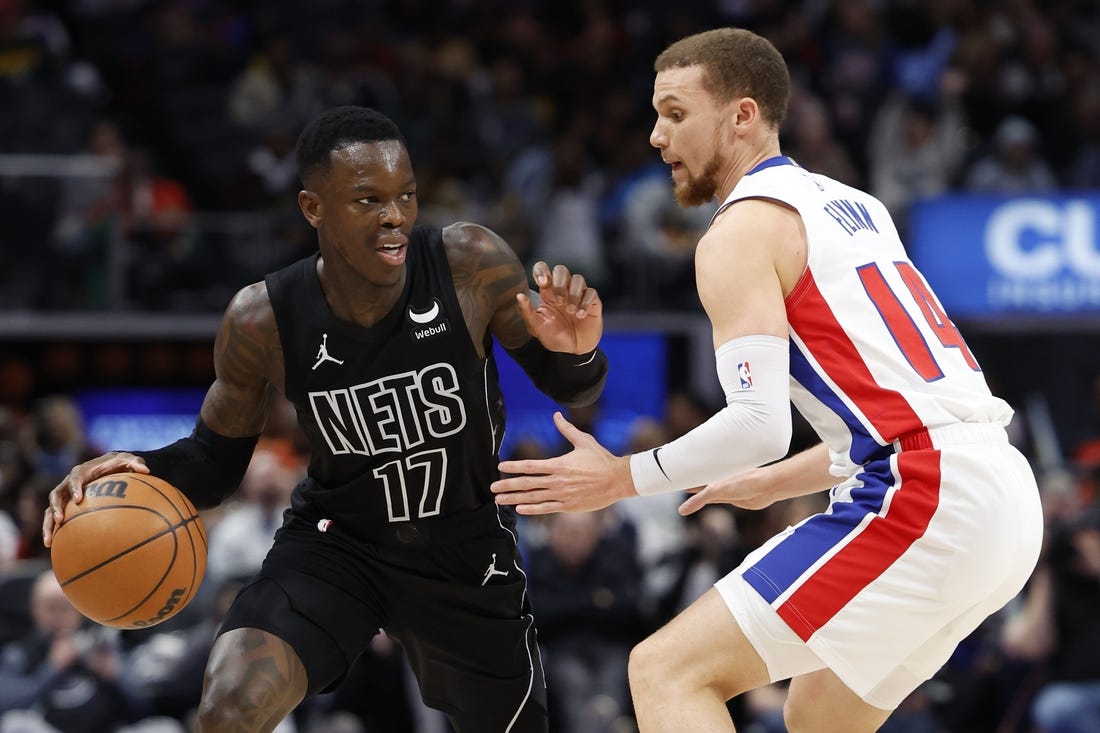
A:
x,y
458,608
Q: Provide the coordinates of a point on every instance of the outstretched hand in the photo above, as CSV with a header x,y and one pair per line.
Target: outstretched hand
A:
x,y
568,316
72,486
584,480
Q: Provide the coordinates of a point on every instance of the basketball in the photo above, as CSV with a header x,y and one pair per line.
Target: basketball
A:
x,y
132,554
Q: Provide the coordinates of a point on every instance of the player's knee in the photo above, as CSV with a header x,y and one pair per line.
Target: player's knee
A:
x,y
799,715
660,663
222,699
792,717
214,714
644,668
238,691
796,713
228,702
656,664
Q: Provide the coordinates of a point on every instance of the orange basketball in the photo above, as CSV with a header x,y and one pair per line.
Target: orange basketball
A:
x,y
132,554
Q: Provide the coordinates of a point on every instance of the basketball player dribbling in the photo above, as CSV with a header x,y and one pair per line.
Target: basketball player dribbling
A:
x,y
934,519
383,342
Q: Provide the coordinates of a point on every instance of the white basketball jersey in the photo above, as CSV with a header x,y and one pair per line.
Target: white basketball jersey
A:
x,y
873,355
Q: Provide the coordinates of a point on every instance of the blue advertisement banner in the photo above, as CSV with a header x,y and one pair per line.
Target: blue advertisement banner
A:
x,y
993,257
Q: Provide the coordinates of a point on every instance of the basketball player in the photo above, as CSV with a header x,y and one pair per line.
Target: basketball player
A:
x,y
935,522
383,342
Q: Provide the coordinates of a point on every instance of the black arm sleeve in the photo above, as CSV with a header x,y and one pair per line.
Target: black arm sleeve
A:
x,y
206,466
573,380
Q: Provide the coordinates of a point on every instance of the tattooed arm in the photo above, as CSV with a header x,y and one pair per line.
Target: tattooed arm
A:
x,y
565,315
208,465
487,277
248,366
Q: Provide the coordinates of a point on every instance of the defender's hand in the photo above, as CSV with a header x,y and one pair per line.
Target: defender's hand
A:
x,y
584,480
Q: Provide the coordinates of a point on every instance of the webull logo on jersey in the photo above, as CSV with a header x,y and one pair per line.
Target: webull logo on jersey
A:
x,y
1045,254
426,322
391,414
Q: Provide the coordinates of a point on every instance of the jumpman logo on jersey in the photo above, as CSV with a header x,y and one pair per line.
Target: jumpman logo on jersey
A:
x,y
323,355
492,570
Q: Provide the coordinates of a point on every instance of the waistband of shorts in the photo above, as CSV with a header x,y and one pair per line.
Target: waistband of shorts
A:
x,y
431,531
963,433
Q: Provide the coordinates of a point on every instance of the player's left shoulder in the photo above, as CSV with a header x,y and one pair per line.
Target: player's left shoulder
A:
x,y
473,249
464,237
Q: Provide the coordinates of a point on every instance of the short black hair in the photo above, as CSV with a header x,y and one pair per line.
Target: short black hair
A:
x,y
337,128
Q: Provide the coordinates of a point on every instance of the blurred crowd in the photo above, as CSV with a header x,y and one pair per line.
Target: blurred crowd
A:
x,y
146,162
531,117
599,582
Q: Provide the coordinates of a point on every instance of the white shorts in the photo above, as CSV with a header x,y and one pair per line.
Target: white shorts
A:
x,y
909,558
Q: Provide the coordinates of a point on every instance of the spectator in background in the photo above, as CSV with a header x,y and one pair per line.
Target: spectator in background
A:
x,y
165,671
241,538
711,549
82,228
1084,167
27,514
812,142
13,460
1031,78
858,58
55,437
1014,165
655,237
271,167
917,145
147,199
505,118
154,210
276,84
9,541
572,205
659,529
1086,462
1058,629
685,410
67,672
586,591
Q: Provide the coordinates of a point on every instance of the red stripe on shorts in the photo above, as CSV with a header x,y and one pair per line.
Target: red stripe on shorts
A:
x,y
867,556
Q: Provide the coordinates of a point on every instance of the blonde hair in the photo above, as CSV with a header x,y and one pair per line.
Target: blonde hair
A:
x,y
736,63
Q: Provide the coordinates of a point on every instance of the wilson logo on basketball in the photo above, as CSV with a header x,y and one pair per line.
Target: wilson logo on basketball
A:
x,y
166,609
116,489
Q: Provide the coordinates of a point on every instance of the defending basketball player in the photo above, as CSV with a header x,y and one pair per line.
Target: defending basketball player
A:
x,y
383,342
935,522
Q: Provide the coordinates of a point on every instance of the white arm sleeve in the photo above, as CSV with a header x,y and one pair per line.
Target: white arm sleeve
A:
x,y
753,428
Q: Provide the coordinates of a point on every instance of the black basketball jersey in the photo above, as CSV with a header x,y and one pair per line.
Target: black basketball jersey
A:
x,y
404,418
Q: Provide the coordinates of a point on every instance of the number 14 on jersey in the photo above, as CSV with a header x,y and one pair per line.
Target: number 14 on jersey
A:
x,y
899,321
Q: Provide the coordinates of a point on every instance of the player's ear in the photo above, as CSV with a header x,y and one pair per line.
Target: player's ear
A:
x,y
744,111
310,204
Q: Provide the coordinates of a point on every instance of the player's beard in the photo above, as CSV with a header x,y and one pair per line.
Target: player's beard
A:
x,y
696,191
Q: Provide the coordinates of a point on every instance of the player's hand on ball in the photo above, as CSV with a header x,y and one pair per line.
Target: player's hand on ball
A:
x,y
131,554
72,486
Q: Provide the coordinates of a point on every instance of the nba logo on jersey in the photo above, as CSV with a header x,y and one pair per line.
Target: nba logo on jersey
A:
x,y
745,375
